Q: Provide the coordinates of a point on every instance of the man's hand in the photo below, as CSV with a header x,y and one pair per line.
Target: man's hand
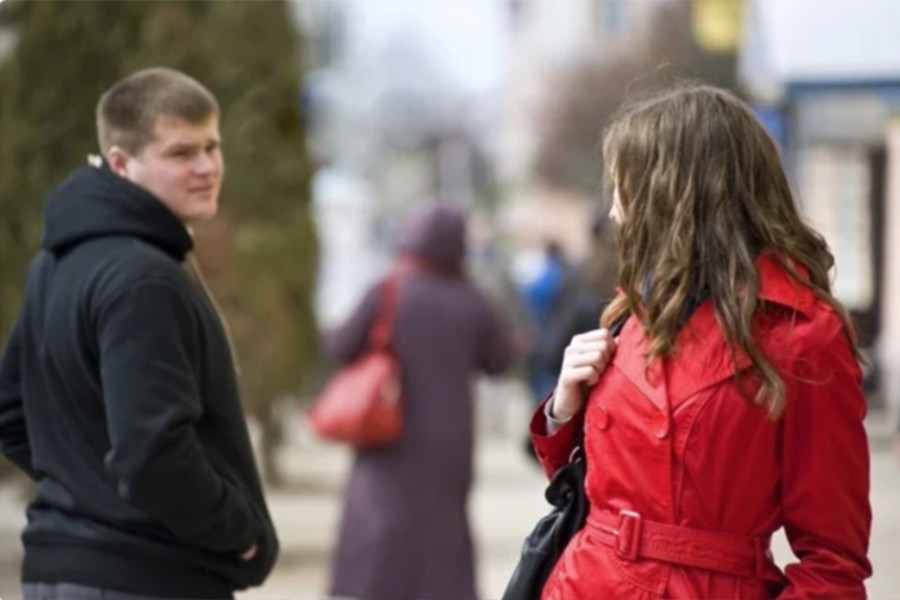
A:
x,y
249,553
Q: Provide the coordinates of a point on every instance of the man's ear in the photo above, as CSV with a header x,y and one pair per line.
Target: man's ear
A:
x,y
118,159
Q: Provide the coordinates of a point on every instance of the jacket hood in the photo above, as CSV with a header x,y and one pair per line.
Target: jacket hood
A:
x,y
95,202
436,233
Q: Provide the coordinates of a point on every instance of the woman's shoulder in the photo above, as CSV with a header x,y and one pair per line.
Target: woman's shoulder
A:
x,y
806,333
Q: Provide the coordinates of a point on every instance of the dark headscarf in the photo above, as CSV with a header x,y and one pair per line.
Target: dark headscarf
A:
x,y
436,235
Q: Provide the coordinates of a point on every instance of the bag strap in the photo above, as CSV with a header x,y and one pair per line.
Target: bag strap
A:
x,y
380,334
616,328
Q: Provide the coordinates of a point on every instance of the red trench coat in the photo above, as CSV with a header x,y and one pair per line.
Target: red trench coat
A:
x,y
683,471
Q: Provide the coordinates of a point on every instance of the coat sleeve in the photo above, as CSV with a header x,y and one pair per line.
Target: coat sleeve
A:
x,y
149,347
347,343
14,443
825,492
553,449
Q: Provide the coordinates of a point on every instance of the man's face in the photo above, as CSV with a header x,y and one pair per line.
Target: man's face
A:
x,y
182,166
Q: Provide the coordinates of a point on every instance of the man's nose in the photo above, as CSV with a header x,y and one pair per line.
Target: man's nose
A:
x,y
205,164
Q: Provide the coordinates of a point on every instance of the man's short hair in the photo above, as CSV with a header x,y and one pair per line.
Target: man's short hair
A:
x,y
128,111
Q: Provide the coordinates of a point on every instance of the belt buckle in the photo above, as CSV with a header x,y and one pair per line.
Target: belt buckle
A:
x,y
628,540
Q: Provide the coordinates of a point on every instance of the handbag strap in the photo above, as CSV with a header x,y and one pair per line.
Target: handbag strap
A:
x,y
380,334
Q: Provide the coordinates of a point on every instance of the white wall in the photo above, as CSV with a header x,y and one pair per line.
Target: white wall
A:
x,y
889,344
820,40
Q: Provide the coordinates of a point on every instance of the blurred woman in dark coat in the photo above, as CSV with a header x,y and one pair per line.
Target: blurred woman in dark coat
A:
x,y
404,530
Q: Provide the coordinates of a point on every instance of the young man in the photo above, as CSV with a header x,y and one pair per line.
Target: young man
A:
x,y
118,393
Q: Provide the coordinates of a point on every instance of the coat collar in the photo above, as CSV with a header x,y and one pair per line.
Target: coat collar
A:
x,y
702,357
775,285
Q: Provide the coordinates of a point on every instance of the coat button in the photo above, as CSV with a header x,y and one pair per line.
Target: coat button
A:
x,y
602,418
661,426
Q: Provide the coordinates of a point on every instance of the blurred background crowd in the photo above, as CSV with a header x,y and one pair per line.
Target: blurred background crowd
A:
x,y
342,116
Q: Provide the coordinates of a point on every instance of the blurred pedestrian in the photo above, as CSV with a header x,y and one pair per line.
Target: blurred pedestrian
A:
x,y
404,531
730,405
118,393
586,290
542,297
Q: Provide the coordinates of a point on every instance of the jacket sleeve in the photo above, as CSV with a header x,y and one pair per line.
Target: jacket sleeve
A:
x,y
149,348
825,492
14,443
347,343
553,449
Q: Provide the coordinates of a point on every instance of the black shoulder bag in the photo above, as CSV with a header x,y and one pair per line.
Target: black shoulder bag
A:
x,y
547,541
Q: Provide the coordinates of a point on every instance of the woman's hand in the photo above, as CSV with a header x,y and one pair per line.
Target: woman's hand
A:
x,y
586,357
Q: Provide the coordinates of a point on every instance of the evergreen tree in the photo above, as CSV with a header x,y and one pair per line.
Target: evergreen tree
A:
x,y
259,255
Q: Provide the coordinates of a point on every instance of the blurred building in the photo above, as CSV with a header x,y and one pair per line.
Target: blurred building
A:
x,y
831,70
546,37
403,101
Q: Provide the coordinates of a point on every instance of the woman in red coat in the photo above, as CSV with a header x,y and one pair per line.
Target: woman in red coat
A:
x,y
730,404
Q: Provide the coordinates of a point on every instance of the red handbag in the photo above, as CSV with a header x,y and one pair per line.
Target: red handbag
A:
x,y
362,404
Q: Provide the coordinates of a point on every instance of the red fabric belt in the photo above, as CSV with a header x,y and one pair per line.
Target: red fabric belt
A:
x,y
633,537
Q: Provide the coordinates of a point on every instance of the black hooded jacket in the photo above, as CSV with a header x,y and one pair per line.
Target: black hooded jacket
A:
x,y
118,396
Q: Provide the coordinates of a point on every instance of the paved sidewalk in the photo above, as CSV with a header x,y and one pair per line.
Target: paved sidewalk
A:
x,y
506,503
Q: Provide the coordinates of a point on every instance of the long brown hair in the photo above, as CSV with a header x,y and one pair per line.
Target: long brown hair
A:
x,y
703,193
